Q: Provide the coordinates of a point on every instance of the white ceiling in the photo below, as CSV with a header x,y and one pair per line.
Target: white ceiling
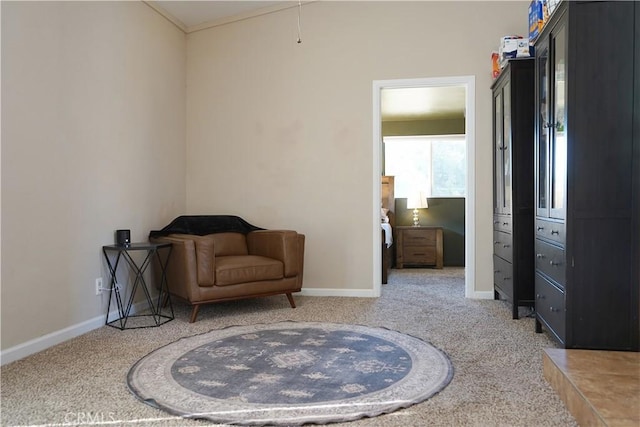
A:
x,y
194,15
397,104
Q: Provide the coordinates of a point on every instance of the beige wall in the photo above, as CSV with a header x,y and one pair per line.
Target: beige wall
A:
x,y
92,141
281,133
93,133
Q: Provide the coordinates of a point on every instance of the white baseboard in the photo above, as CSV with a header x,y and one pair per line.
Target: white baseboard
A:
x,y
481,295
368,293
42,343
333,292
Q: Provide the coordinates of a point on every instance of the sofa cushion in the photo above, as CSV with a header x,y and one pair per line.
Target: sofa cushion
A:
x,y
230,244
231,270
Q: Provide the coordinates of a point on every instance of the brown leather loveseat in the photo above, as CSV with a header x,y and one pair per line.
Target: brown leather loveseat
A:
x,y
219,258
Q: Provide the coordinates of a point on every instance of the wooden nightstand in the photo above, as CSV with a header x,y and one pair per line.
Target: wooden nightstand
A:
x,y
419,246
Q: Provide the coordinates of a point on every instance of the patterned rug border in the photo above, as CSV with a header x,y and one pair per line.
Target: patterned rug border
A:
x,y
263,414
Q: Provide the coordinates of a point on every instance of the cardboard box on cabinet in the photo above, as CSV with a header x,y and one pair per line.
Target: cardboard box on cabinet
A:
x,y
513,47
536,19
508,48
495,65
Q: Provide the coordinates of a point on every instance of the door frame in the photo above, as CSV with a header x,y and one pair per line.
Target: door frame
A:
x,y
469,82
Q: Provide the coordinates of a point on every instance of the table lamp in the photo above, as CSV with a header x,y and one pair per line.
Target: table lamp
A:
x,y
415,202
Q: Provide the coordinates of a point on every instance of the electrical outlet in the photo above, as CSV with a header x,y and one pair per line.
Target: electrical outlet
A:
x,y
98,285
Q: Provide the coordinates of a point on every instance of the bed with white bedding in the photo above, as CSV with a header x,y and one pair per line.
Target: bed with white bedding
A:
x,y
387,222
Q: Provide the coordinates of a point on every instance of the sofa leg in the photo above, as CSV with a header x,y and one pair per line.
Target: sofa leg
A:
x,y
194,313
291,301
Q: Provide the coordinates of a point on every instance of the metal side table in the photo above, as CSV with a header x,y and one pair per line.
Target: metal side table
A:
x,y
114,254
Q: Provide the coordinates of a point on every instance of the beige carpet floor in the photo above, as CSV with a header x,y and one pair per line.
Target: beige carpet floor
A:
x,y
498,361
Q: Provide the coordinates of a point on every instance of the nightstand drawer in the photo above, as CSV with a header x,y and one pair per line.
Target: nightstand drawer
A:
x,y
419,237
416,255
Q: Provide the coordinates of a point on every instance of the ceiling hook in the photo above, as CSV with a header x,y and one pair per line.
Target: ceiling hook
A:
x,y
299,13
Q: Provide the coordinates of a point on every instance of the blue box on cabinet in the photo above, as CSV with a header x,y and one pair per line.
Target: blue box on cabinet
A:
x,y
536,19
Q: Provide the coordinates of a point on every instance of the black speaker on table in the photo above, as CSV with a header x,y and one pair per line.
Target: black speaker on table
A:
x,y
123,237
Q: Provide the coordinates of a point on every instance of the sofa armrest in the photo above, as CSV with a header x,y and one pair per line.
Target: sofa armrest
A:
x,y
204,257
180,270
192,259
283,245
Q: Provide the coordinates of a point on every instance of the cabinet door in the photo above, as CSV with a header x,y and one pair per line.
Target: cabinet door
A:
x,y
558,125
506,150
498,187
542,131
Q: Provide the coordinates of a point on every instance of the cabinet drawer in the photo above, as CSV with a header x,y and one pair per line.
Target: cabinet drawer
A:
x,y
550,259
417,255
503,277
502,245
550,307
551,230
502,223
419,237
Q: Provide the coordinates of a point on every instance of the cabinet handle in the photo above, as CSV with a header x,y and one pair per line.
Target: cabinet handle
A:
x,y
554,310
506,278
549,125
553,263
539,256
505,223
555,232
496,222
539,228
496,271
539,296
506,246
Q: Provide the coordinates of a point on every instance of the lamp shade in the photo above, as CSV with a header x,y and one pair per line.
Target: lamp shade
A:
x,y
418,200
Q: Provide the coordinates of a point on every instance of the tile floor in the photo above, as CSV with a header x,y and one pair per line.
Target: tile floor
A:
x,y
599,388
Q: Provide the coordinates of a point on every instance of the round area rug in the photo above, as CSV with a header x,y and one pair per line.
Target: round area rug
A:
x,y
290,373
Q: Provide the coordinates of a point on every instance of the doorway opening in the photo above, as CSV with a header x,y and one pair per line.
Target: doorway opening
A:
x,y
468,83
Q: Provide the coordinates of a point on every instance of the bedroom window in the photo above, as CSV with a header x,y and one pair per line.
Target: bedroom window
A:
x,y
435,164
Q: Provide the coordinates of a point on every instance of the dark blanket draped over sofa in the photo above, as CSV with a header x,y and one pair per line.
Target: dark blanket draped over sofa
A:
x,y
201,225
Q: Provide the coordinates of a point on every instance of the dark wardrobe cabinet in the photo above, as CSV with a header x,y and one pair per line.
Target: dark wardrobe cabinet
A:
x,y
587,175
513,136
